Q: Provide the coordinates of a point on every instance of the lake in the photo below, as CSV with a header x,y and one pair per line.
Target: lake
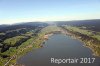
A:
x,y
59,46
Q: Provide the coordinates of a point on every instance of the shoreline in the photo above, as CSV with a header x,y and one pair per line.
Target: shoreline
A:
x,y
45,37
77,39
74,36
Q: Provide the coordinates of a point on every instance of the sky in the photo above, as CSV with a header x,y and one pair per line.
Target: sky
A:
x,y
16,11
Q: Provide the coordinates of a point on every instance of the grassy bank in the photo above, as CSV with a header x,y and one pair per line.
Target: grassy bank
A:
x,y
90,38
35,41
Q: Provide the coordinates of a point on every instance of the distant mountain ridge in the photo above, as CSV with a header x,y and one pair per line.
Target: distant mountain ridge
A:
x,y
4,28
93,24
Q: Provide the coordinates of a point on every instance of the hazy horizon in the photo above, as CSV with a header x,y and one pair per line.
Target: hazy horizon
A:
x,y
17,11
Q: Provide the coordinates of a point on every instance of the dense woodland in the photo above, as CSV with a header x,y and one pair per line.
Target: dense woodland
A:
x,y
13,36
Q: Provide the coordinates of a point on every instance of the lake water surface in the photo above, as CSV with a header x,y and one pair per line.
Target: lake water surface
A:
x,y
59,46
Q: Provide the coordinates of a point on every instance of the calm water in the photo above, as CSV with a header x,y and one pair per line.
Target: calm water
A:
x,y
58,46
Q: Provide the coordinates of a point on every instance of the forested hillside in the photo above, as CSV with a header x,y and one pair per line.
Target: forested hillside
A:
x,y
12,36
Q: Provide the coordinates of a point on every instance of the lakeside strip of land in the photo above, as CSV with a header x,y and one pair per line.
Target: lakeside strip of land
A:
x,y
89,39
